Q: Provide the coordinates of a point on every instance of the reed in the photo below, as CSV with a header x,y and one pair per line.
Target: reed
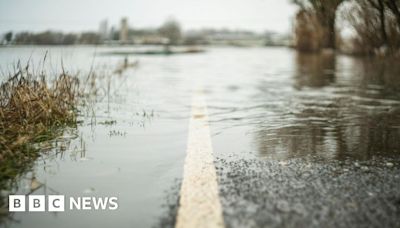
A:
x,y
33,109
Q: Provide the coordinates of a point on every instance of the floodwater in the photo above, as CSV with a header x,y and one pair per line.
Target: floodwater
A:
x,y
263,103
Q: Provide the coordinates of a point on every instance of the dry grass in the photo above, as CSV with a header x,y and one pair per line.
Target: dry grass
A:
x,y
31,110
35,111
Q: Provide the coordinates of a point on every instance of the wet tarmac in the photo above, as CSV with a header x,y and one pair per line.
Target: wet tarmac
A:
x,y
313,147
304,193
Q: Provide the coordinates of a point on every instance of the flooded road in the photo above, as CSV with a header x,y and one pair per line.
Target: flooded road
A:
x,y
297,139
297,105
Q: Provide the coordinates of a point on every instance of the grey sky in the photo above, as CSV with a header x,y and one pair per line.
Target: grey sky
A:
x,y
78,15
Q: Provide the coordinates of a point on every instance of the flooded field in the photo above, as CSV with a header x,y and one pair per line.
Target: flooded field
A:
x,y
265,104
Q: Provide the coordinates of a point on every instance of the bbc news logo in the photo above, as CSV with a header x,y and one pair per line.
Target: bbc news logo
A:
x,y
57,203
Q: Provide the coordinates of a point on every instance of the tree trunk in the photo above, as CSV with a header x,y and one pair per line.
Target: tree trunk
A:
x,y
382,21
329,31
393,6
331,36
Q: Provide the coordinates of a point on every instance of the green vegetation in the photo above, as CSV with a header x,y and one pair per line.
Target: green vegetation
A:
x,y
172,31
32,110
55,38
108,122
38,112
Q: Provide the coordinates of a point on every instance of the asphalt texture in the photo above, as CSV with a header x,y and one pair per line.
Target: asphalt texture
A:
x,y
303,192
309,193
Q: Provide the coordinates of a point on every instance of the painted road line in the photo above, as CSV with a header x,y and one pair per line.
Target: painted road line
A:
x,y
199,204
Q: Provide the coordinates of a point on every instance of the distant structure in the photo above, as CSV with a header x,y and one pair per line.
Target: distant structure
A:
x,y
123,32
113,33
103,30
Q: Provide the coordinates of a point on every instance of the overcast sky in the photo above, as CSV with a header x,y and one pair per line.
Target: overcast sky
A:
x,y
79,15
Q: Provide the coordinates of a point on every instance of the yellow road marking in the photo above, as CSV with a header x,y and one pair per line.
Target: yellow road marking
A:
x,y
199,204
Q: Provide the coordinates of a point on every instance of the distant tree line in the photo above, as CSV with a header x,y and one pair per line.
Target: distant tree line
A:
x,y
170,31
375,24
51,38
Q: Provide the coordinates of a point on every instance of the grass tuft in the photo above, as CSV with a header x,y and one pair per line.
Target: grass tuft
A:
x,y
32,110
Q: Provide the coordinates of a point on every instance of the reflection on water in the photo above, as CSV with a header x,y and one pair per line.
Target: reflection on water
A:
x,y
269,101
341,108
24,181
314,70
131,145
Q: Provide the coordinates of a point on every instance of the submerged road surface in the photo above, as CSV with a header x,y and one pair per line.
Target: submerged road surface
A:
x,y
276,139
319,157
199,204
298,192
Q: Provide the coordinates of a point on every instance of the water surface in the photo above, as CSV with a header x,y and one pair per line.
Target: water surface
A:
x,y
266,103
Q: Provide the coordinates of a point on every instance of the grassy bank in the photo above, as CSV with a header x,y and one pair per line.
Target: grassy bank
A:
x,y
33,109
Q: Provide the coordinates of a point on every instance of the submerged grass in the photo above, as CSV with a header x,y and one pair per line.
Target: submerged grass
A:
x,y
32,110
36,109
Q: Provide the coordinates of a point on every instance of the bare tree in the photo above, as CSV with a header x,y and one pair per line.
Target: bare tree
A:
x,y
325,11
394,6
380,7
308,32
171,30
376,28
8,37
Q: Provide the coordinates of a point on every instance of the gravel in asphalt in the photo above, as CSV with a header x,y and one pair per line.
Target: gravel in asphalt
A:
x,y
309,193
